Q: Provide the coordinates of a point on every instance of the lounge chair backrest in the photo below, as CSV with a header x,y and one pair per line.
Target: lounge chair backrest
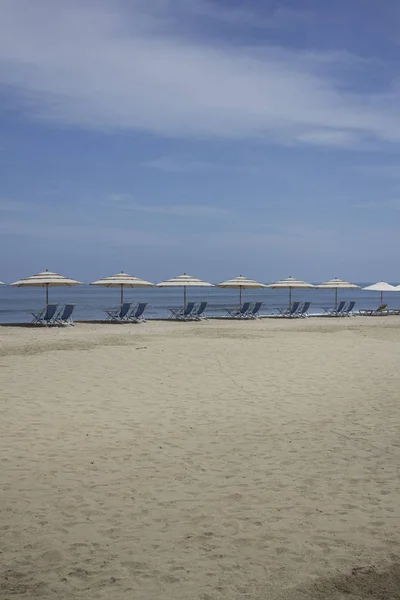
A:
x,y
340,306
381,307
67,312
305,307
124,309
189,309
139,310
50,312
294,308
350,306
245,307
256,308
201,308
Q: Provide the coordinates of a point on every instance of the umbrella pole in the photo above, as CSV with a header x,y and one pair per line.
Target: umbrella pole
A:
x,y
381,297
122,294
240,296
184,297
47,294
290,297
335,298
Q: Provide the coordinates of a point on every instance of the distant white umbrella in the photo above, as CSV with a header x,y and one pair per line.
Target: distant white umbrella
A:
x,y
241,283
2,283
184,281
46,279
122,280
291,284
337,284
381,287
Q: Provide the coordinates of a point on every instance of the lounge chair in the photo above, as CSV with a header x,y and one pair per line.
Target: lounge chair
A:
x,y
348,311
393,311
303,310
239,313
64,316
182,314
372,312
198,314
45,316
136,314
336,312
291,311
254,312
118,315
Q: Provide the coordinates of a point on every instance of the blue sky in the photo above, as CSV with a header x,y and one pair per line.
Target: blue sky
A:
x,y
210,136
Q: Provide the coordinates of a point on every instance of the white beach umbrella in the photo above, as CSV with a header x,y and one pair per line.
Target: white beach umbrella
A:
x,y
184,281
337,284
290,283
381,287
241,283
46,279
122,280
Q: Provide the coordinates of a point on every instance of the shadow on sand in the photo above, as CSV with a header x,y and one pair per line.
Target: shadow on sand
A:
x,y
362,583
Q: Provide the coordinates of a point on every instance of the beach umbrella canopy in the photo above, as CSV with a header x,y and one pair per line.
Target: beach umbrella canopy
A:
x,y
337,284
122,280
241,283
184,281
46,279
381,287
290,283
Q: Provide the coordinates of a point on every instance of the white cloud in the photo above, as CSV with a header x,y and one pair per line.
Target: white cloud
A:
x,y
331,137
183,210
127,202
7,205
389,171
120,199
230,15
173,164
393,203
183,164
87,234
99,65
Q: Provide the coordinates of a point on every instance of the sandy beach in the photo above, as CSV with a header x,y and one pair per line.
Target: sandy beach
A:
x,y
213,460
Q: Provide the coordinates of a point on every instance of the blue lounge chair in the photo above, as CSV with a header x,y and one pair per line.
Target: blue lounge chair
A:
x,y
118,315
254,312
64,316
136,315
291,311
182,314
336,312
198,314
239,313
348,311
45,316
303,310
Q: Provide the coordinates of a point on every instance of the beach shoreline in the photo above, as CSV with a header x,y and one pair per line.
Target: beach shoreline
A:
x,y
220,459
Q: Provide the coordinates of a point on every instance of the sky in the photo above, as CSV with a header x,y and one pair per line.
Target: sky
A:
x,y
213,137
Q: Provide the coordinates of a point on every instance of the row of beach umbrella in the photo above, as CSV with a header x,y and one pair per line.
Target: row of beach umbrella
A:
x,y
123,280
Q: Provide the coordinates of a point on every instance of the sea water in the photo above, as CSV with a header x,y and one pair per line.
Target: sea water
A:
x,y
16,304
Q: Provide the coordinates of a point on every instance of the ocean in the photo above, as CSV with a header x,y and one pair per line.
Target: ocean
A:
x,y
17,303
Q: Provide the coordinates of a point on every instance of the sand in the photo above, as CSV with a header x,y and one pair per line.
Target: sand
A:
x,y
252,460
